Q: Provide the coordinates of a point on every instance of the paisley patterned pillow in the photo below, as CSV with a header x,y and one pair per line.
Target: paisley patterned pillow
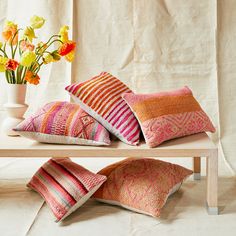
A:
x,y
142,185
167,115
65,123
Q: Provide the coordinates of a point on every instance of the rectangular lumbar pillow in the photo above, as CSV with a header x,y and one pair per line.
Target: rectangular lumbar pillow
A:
x,y
101,98
167,115
63,123
141,184
65,185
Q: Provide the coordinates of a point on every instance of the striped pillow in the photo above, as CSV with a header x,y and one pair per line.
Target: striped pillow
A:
x,y
101,98
168,115
63,122
65,185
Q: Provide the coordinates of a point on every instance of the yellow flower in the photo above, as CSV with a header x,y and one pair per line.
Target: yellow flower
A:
x,y
48,58
67,49
70,56
3,62
27,58
29,33
9,31
64,33
36,22
10,24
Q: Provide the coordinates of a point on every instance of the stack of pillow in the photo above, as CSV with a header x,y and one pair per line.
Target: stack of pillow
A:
x,y
104,104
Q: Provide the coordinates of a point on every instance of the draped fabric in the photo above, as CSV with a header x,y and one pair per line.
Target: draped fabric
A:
x,y
152,46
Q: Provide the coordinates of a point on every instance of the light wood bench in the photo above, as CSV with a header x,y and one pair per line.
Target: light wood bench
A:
x,y
194,146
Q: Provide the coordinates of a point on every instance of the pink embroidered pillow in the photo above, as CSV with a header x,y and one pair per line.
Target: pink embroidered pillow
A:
x,y
65,123
65,185
101,98
142,185
167,115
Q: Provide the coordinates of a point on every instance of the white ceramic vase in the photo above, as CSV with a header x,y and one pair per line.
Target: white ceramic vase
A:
x,y
15,108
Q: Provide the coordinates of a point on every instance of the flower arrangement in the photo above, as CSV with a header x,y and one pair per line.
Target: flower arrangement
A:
x,y
21,59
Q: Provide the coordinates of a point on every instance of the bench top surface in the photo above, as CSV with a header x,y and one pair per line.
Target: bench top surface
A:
x,y
198,144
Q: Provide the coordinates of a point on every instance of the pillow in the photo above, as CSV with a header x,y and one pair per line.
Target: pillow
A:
x,y
65,123
101,98
167,115
65,185
142,185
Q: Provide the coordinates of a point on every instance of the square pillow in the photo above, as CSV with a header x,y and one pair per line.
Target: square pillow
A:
x,y
140,184
65,185
101,98
167,115
64,123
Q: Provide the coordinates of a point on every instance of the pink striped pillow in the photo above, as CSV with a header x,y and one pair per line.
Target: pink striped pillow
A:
x,y
101,98
63,122
65,185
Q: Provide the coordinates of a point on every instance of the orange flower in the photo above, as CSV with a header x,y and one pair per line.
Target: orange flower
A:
x,y
24,45
11,64
66,48
31,77
9,31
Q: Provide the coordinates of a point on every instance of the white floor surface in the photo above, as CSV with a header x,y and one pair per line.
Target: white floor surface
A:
x,y
23,212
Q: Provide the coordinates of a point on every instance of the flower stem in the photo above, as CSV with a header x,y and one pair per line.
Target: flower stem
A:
x,y
19,74
41,55
7,77
23,77
39,67
20,52
13,77
3,51
4,47
13,52
46,42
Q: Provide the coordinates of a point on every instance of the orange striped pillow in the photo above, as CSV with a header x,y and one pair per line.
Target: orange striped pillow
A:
x,y
168,115
65,185
101,98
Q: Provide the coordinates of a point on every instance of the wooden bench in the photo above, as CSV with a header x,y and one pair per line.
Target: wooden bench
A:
x,y
194,146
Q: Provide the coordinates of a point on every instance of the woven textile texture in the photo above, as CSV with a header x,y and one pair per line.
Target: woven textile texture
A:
x,y
65,185
141,185
167,115
101,98
63,122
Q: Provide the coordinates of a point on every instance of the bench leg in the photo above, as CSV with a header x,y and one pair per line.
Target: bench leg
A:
x,y
196,168
212,183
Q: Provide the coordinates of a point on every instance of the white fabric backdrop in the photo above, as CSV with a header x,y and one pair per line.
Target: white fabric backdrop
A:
x,y
151,45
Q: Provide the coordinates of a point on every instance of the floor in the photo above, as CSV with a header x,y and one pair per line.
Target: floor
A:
x,y
23,212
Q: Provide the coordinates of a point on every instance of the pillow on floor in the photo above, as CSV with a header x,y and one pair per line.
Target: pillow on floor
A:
x,y
101,98
141,184
65,185
65,123
167,115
